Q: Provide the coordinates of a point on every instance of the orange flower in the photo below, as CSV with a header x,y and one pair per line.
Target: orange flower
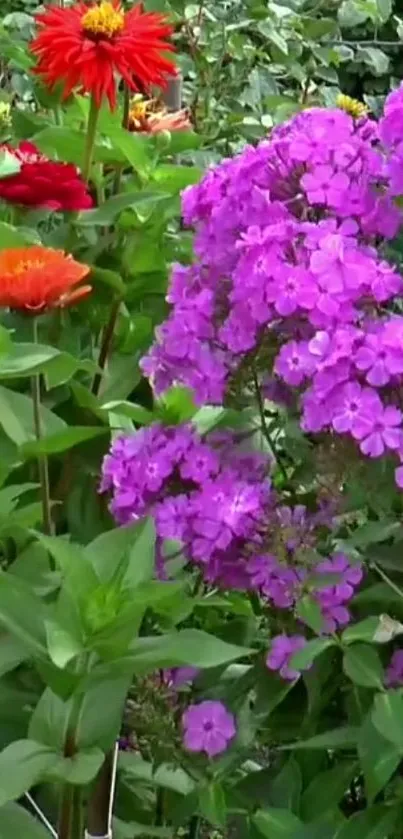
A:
x,y
150,117
86,45
35,278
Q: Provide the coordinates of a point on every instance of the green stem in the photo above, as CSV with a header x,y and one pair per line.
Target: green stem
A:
x,y
194,827
43,469
90,138
386,579
264,426
70,807
106,344
77,821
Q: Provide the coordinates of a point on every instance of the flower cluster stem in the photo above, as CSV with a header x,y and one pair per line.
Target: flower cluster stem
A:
x,y
42,459
106,344
90,138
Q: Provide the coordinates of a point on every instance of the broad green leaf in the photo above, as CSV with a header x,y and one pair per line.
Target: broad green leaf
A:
x,y
362,631
212,803
17,417
174,179
108,550
22,613
48,721
80,769
134,148
9,496
379,758
61,441
12,653
169,777
23,764
17,237
141,564
309,612
17,821
137,413
362,665
305,657
62,645
103,728
324,793
188,647
26,359
387,717
374,823
343,737
275,823
9,164
111,209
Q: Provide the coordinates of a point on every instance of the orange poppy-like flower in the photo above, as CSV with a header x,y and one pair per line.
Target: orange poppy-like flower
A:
x,y
34,278
150,117
85,46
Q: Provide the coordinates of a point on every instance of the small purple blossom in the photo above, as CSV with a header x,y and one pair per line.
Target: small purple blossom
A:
x,y
208,727
281,652
394,671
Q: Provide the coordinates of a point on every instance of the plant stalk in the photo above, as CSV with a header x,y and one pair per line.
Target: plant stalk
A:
x,y
90,139
43,469
100,804
106,344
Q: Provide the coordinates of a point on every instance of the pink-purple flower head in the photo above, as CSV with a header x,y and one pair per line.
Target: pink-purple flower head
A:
x,y
281,652
208,727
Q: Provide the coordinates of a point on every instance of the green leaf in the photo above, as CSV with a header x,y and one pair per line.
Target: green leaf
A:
x,y
308,610
326,790
16,821
343,737
141,564
130,830
26,359
102,729
362,665
80,769
12,653
61,441
379,758
361,631
376,59
384,8
212,804
22,613
17,237
111,209
62,645
17,417
23,764
9,164
374,823
275,823
174,179
108,550
137,413
134,148
387,717
305,657
48,721
166,776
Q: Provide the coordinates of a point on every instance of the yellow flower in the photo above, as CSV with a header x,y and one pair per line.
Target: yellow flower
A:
x,y
351,106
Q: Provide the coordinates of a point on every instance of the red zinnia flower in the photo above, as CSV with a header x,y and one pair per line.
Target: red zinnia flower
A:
x,y
35,278
43,183
84,46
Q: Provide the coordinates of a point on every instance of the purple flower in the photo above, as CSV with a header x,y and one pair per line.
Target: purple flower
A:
x,y
394,672
333,599
208,727
281,652
379,431
378,360
325,186
294,362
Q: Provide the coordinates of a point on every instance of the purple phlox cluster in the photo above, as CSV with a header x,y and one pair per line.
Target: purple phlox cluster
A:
x,y
333,599
286,263
210,496
394,672
283,584
208,727
282,649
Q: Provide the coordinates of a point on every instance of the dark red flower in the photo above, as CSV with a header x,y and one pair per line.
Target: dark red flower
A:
x,y
34,278
44,183
86,45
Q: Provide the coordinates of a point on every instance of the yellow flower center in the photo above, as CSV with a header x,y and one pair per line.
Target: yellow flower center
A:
x,y
105,19
351,106
27,265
